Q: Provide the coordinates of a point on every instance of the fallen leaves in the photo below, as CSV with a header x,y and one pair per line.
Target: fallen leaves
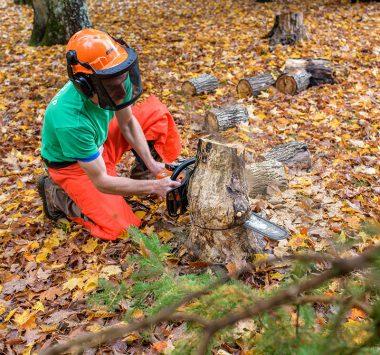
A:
x,y
46,272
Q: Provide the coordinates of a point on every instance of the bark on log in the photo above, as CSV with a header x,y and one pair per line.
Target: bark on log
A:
x,y
321,70
288,28
294,82
55,21
261,175
220,119
201,84
219,204
292,154
253,86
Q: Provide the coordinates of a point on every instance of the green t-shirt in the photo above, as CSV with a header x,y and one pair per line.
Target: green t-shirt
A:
x,y
74,127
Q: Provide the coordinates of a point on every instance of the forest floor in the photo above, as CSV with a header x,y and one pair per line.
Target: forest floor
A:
x,y
48,270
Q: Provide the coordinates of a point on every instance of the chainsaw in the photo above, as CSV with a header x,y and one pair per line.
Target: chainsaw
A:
x,y
177,202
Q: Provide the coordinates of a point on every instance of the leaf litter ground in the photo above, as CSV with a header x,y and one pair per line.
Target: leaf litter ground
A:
x,y
48,270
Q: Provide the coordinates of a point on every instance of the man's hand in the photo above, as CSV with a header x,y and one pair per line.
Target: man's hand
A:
x,y
156,167
164,185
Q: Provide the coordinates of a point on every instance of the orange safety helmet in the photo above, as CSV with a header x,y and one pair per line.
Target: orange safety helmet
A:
x,y
100,64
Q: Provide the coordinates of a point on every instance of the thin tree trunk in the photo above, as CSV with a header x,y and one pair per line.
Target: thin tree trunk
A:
x,y
55,21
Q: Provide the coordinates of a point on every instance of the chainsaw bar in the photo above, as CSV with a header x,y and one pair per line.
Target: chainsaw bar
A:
x,y
265,228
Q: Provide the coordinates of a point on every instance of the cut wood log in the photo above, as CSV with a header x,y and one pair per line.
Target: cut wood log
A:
x,y
288,28
201,84
261,175
253,86
220,119
321,70
294,82
219,204
292,154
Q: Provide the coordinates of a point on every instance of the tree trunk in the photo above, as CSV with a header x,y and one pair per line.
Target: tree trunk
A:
x,y
264,174
292,154
220,119
294,82
321,70
55,21
288,28
219,205
201,84
253,86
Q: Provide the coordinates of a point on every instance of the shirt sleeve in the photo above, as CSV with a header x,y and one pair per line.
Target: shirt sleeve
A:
x,y
77,143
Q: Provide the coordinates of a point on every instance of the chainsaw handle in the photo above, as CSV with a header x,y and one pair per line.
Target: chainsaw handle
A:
x,y
181,167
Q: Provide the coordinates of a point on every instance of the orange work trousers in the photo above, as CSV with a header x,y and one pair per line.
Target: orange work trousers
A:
x,y
109,215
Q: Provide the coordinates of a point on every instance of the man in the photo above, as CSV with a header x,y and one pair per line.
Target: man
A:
x,y
88,126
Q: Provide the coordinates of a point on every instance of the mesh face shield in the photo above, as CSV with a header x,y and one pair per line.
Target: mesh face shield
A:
x,y
119,86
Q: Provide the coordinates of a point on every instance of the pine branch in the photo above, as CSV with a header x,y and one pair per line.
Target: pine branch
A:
x,y
340,267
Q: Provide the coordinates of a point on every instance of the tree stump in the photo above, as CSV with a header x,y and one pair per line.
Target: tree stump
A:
x,y
321,70
294,82
55,21
253,86
292,154
219,205
288,28
263,174
220,119
201,84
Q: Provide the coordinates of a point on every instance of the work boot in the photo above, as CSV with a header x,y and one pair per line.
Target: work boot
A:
x,y
56,202
46,189
139,170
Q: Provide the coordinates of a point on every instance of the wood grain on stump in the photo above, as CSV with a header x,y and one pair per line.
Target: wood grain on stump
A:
x,y
294,82
220,119
219,204
255,85
201,84
288,28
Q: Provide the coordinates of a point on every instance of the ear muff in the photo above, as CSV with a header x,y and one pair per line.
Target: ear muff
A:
x,y
83,84
81,81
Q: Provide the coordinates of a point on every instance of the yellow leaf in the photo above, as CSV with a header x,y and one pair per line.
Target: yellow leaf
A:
x,y
140,214
49,328
90,246
38,306
93,328
26,320
42,255
33,245
132,337
91,284
110,270
137,313
165,236
28,349
260,257
277,276
298,240
70,284
10,315
2,309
